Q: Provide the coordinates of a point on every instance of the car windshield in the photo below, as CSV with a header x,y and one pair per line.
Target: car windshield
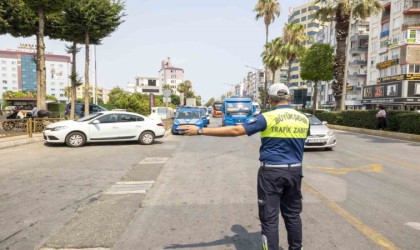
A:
x,y
89,117
188,114
239,108
314,121
218,106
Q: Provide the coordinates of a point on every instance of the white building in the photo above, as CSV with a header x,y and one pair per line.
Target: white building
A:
x,y
394,57
253,83
18,71
171,75
146,85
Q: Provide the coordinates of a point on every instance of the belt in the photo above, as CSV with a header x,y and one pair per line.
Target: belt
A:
x,y
262,164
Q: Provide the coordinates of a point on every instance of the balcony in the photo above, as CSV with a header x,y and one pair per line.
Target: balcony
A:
x,y
411,7
358,62
408,24
358,75
384,33
359,36
359,49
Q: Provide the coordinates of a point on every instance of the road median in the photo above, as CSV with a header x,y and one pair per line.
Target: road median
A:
x,y
381,133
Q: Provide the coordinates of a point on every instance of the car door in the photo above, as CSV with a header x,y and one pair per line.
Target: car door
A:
x,y
130,126
106,129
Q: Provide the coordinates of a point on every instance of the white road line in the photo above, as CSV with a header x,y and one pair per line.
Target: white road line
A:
x,y
154,160
130,187
415,225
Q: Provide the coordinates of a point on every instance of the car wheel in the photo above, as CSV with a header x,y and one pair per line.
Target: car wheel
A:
x,y
147,138
75,139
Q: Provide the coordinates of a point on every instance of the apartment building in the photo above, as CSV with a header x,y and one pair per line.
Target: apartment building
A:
x,y
18,71
357,67
393,76
101,93
171,75
146,85
253,83
303,15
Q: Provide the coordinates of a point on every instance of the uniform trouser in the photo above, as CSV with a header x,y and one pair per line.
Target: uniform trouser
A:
x,y
279,190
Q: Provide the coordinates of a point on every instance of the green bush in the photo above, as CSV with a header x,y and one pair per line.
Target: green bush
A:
x,y
330,117
409,122
392,120
359,118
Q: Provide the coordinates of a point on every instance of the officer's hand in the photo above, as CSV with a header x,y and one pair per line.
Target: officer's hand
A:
x,y
189,129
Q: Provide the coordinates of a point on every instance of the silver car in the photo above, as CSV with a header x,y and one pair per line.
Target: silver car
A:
x,y
321,136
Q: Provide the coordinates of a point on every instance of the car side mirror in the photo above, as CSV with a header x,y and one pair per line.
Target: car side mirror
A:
x,y
324,123
96,122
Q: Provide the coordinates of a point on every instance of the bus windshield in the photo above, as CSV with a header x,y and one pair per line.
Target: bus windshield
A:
x,y
217,106
239,108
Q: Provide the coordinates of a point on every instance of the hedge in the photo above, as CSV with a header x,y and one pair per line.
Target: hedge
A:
x,y
399,121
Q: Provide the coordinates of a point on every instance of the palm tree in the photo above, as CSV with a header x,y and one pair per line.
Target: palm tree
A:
x,y
293,44
185,90
67,92
269,10
272,57
340,11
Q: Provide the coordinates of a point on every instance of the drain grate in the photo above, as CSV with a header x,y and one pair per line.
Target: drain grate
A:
x,y
154,160
130,187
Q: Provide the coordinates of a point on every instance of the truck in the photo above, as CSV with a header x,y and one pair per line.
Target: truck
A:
x,y
191,102
236,110
217,109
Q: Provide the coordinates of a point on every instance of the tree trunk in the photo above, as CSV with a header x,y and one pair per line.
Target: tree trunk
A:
x,y
314,98
341,27
41,75
264,101
288,71
73,81
87,95
274,75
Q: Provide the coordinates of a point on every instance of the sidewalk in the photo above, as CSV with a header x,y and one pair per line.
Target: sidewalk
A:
x,y
381,133
14,141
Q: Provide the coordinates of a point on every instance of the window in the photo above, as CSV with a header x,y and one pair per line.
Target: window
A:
x,y
13,62
14,76
111,118
3,62
130,118
397,6
396,23
61,95
5,88
60,65
303,10
404,69
303,19
52,89
4,81
3,68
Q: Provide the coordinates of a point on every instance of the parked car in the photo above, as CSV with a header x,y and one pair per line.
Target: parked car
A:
x,y
321,136
187,116
104,126
79,109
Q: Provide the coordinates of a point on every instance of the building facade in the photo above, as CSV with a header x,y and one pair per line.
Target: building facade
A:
x,y
254,83
18,71
393,76
303,15
145,85
101,93
171,75
357,67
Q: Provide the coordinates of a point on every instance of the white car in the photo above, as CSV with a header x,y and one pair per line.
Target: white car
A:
x,y
321,136
105,126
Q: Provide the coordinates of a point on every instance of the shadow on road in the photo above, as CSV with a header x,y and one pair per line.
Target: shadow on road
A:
x,y
242,240
97,144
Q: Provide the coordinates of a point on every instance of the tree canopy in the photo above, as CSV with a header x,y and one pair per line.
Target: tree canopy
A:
x,y
317,64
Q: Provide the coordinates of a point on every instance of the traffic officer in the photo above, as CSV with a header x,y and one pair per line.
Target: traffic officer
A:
x,y
283,133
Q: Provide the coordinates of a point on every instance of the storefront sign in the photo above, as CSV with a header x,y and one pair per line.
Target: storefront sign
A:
x,y
398,100
398,78
387,64
412,77
390,90
350,88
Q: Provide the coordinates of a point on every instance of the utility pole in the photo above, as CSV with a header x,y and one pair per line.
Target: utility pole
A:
x,y
96,79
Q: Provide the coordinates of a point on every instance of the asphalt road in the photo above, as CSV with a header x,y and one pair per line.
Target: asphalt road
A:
x,y
362,195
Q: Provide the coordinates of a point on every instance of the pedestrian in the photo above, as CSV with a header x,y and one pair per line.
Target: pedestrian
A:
x,y
381,117
34,112
283,133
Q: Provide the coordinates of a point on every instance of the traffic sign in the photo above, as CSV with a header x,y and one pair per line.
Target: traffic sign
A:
x,y
166,99
167,92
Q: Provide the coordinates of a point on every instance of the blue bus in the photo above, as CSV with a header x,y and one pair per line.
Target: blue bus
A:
x,y
236,110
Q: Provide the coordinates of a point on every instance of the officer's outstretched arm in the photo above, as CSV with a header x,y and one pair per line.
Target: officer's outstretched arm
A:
x,y
222,131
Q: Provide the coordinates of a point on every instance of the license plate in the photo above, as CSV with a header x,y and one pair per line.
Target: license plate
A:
x,y
315,141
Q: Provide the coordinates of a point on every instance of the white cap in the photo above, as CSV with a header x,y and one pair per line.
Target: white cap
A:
x,y
278,89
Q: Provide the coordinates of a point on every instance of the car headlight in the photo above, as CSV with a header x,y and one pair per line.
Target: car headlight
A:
x,y
58,128
330,133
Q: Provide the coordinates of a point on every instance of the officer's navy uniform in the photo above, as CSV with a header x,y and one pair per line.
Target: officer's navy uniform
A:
x,y
283,134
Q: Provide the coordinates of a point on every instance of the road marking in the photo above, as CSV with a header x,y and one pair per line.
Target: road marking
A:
x,y
414,225
395,161
154,160
130,187
376,237
373,168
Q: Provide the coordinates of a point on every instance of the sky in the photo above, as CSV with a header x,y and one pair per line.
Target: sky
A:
x,y
211,40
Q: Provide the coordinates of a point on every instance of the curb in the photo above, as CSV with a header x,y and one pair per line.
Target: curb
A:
x,y
19,142
381,133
